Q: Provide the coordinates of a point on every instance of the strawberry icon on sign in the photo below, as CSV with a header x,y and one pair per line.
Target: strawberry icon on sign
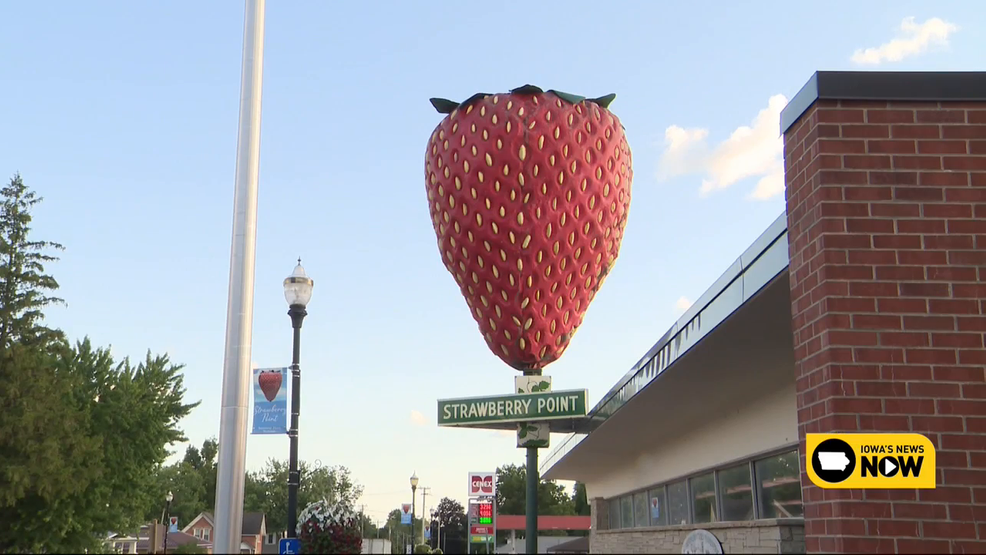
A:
x,y
270,383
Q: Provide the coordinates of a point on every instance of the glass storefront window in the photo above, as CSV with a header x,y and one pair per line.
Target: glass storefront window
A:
x,y
658,508
678,503
703,498
626,512
736,493
779,486
640,516
614,514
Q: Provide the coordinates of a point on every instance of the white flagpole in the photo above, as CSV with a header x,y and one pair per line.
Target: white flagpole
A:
x,y
239,316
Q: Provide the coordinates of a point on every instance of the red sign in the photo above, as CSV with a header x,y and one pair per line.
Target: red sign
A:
x,y
486,510
481,531
481,483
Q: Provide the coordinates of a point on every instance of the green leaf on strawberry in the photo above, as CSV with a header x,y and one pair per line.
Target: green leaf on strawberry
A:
x,y
446,106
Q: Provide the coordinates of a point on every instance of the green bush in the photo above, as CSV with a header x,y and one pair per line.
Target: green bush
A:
x,y
422,549
437,551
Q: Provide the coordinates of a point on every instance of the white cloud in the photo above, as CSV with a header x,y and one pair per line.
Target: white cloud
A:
x,y
750,151
914,39
681,305
418,419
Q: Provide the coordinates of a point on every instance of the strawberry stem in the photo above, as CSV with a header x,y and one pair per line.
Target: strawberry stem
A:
x,y
446,106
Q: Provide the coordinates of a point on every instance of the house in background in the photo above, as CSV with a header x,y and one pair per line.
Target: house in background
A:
x,y
252,536
272,541
122,543
175,540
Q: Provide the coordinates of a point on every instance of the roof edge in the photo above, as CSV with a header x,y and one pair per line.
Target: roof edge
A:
x,y
735,271
901,86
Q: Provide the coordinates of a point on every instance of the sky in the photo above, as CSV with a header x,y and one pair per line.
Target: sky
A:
x,y
123,116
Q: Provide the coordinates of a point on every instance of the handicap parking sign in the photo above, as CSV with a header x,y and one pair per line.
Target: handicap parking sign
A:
x,y
288,546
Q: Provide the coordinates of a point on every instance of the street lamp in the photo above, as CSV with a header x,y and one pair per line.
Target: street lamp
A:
x,y
167,518
297,292
414,487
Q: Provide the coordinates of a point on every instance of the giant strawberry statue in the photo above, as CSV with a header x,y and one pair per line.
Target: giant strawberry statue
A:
x,y
529,193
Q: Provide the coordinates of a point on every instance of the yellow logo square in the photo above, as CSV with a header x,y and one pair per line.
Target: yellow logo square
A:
x,y
870,461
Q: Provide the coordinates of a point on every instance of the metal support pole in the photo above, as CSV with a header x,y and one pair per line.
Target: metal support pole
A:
x,y
239,315
532,500
496,517
167,525
424,503
531,532
297,314
413,500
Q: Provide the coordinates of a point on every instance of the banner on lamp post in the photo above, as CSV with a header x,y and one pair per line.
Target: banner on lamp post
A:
x,y
270,401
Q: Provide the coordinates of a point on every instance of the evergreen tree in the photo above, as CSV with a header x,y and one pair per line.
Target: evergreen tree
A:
x,y
25,289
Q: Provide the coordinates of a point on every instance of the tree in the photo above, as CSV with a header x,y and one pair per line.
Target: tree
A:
x,y
451,515
192,481
511,496
399,534
369,528
268,492
80,434
134,412
581,501
25,288
46,452
131,413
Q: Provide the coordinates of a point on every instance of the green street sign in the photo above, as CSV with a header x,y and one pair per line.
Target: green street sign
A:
x,y
500,409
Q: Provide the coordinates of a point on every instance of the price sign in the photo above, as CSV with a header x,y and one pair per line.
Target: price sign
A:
x,y
486,513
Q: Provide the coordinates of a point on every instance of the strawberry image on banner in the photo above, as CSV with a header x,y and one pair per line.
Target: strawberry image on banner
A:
x,y
270,384
529,193
270,401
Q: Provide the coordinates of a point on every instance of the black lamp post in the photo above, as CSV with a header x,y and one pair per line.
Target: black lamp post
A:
x,y
297,292
167,518
414,488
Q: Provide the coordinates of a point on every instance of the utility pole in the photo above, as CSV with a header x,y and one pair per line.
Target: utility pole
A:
x,y
424,501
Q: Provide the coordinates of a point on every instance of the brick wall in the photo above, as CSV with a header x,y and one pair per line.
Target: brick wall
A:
x,y
887,229
762,536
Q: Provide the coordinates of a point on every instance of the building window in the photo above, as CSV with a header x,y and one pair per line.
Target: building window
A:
x,y
626,512
640,513
614,514
207,534
736,493
678,503
779,486
725,494
658,508
703,498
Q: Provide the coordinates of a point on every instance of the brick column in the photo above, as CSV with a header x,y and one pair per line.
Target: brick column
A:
x,y
599,511
886,208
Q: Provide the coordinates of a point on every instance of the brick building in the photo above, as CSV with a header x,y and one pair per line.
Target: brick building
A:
x,y
861,309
